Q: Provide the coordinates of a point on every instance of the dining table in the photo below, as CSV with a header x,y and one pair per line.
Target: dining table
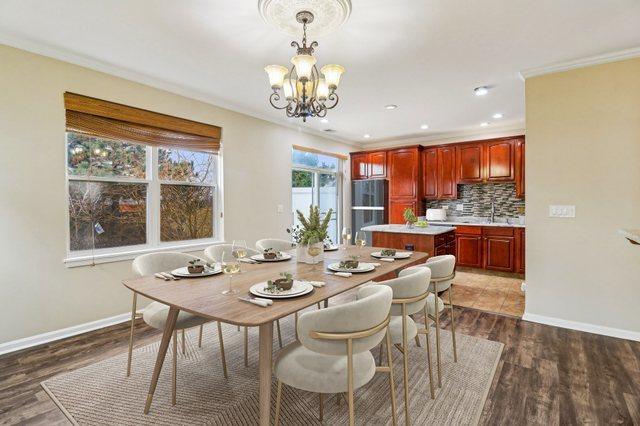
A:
x,y
203,297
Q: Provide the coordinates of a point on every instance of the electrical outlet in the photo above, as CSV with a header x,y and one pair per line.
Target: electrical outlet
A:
x,y
562,211
459,207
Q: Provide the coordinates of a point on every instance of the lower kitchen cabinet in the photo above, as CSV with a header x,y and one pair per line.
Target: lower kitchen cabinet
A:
x,y
520,243
499,253
469,250
492,248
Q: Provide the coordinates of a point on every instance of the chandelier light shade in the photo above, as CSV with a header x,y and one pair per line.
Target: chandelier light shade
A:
x,y
302,91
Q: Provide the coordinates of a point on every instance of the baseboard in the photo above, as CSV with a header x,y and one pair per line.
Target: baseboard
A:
x,y
583,326
51,336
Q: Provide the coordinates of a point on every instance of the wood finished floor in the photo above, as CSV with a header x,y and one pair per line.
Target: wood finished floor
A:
x,y
546,375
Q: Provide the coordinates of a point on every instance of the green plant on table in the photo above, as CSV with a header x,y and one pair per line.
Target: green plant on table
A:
x,y
312,226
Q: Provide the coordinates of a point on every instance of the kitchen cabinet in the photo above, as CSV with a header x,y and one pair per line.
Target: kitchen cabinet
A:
x,y
519,168
490,247
470,163
377,162
403,165
520,255
430,173
499,161
359,166
499,248
397,208
469,246
447,185
432,244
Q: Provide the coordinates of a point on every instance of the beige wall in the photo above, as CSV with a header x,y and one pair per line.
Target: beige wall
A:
x,y
37,292
583,148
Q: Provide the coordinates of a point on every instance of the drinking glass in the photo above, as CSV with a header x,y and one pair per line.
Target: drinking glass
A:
x,y
361,241
239,251
314,248
346,237
230,267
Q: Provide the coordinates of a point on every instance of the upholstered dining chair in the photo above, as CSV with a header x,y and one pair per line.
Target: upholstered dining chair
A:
x,y
155,314
274,243
214,254
442,275
410,296
333,354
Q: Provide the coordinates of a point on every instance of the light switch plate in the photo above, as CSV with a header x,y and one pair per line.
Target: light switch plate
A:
x,y
562,211
280,208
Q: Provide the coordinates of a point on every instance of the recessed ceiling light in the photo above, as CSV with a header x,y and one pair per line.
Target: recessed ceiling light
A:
x,y
498,115
366,136
390,106
481,91
424,126
324,120
484,124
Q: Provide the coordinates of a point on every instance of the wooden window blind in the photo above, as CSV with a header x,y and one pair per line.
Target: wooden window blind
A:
x,y
106,119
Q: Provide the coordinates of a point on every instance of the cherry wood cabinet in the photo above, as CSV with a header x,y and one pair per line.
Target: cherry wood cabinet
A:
x,y
490,247
377,164
469,250
520,255
470,163
434,245
500,161
519,167
397,208
499,253
359,166
430,173
447,184
403,165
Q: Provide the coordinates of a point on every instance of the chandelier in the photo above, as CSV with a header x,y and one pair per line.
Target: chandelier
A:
x,y
306,92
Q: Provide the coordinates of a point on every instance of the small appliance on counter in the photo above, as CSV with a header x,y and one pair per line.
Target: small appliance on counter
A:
x,y
439,215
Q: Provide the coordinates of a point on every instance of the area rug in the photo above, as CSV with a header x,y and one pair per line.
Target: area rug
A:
x,y
101,394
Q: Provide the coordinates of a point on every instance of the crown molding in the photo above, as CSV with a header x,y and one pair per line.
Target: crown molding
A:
x,y
85,61
449,137
619,55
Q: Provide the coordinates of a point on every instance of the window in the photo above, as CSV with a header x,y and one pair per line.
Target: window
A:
x,y
129,194
316,180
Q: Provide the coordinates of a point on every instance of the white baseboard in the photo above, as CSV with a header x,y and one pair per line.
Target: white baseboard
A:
x,y
39,339
583,326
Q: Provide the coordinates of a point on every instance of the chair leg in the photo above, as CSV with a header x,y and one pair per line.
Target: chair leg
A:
x,y
318,305
321,406
405,364
437,320
174,375
392,385
380,353
200,335
426,326
183,344
417,338
246,346
133,324
278,401
279,333
350,381
221,343
453,325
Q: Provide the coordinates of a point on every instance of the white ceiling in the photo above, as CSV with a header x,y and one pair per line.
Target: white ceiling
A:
x,y
424,55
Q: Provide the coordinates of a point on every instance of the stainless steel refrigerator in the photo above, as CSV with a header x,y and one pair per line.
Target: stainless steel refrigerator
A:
x,y
368,205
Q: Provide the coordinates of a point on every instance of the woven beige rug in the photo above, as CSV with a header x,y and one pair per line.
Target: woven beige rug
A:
x,y
101,394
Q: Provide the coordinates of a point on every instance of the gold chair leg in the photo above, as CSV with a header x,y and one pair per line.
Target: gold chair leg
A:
x,y
174,374
405,364
437,320
453,325
133,324
221,343
183,344
278,401
350,381
246,346
321,407
426,326
380,353
417,338
392,384
200,335
279,333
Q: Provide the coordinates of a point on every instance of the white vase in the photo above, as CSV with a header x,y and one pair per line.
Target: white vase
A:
x,y
303,257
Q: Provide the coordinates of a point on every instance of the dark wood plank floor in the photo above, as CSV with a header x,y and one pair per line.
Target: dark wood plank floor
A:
x,y
546,376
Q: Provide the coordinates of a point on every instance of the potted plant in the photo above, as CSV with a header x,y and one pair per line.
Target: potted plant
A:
x,y
310,227
195,266
285,282
351,263
270,253
409,217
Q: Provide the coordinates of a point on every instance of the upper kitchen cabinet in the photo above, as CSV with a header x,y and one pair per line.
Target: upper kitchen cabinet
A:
x,y
430,173
469,163
438,173
403,165
500,161
359,166
519,166
368,165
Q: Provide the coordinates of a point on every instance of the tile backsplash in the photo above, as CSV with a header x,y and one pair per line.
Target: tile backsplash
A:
x,y
476,200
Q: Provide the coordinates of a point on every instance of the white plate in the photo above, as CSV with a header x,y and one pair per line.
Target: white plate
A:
x,y
332,248
362,267
299,288
260,257
399,255
184,272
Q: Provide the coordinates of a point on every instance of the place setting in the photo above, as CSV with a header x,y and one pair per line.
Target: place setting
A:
x,y
196,268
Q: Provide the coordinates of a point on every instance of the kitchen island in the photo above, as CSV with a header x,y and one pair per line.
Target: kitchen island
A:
x,y
434,240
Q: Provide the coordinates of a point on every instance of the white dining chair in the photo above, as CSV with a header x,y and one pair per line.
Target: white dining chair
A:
x,y
333,354
214,253
410,296
442,276
155,314
274,243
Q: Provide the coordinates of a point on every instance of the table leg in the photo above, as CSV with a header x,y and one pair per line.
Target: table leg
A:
x,y
266,347
162,352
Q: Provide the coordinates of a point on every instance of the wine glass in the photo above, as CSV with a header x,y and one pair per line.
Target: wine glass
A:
x,y
361,241
346,237
230,267
314,248
239,251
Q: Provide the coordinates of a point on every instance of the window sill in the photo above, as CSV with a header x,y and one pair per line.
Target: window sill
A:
x,y
88,260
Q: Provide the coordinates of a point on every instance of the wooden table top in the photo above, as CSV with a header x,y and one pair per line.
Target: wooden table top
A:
x,y
203,296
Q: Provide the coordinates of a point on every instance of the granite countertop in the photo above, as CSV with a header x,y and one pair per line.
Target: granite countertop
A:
x,y
476,223
632,235
402,229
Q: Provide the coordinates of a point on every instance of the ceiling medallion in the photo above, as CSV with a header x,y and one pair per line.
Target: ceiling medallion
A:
x,y
307,92
329,14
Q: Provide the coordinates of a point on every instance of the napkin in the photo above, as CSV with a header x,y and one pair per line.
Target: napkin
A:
x,y
387,259
316,283
246,260
343,274
258,302
376,264
162,277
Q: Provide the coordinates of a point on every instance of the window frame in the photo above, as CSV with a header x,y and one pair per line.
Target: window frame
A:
x,y
153,243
